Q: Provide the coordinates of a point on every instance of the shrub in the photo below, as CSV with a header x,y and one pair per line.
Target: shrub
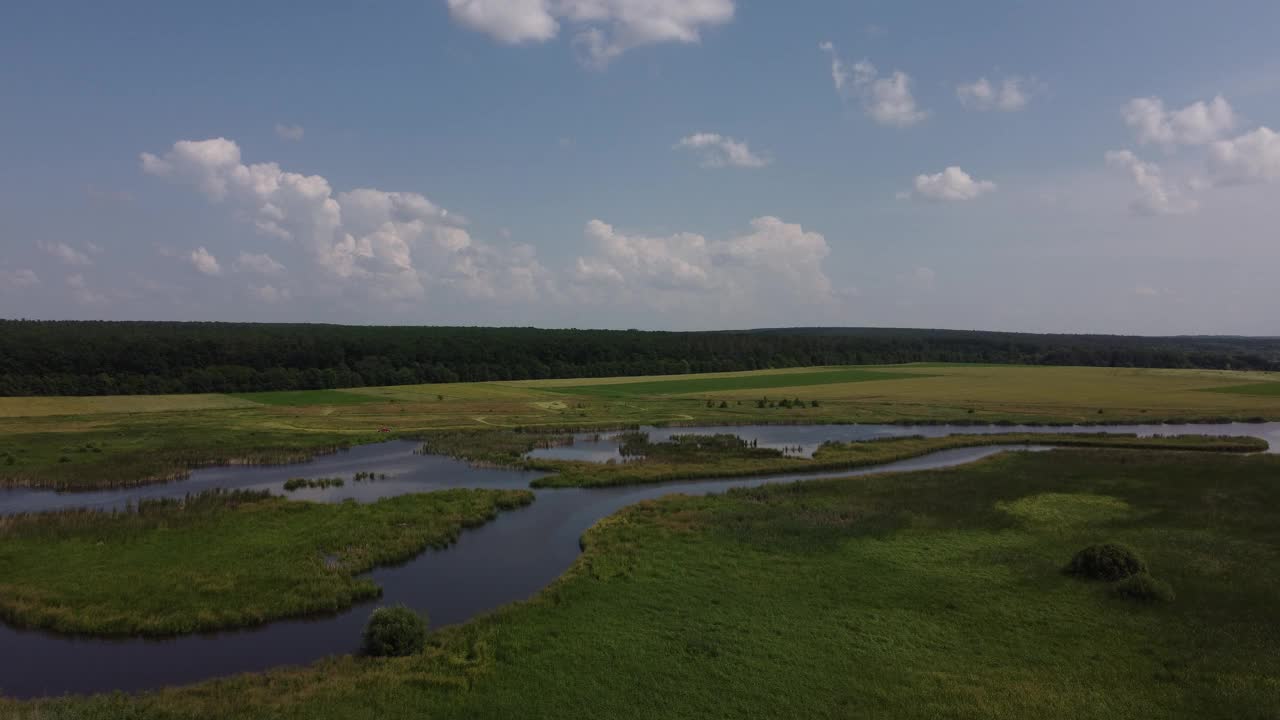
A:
x,y
1108,561
1143,588
395,632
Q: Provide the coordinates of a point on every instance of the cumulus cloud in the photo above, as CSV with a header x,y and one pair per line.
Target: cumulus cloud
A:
x,y
1196,124
82,293
1249,158
885,99
949,185
604,28
1156,195
1010,95
386,245
19,279
717,150
919,279
64,252
262,263
290,132
204,262
775,264
270,294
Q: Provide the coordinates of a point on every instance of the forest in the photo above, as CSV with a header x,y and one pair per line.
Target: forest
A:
x,y
123,358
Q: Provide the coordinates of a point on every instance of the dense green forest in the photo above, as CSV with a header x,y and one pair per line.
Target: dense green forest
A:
x,y
103,358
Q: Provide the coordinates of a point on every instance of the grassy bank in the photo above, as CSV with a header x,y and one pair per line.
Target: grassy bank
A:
x,y
666,463
84,443
921,595
217,560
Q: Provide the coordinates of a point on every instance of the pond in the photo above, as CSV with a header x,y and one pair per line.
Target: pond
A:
x,y
506,560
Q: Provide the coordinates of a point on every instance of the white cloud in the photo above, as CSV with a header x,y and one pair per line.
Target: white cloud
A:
x,y
263,264
605,28
385,245
773,266
719,151
270,294
81,291
20,279
1250,158
204,262
1146,291
1156,196
64,252
919,279
290,132
950,184
1196,124
1011,95
887,100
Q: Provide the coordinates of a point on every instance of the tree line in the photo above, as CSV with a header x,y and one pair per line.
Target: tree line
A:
x,y
108,358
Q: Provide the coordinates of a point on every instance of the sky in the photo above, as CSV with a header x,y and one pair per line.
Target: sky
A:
x,y
659,164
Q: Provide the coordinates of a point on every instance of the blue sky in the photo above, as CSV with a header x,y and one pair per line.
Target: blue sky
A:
x,y
1083,166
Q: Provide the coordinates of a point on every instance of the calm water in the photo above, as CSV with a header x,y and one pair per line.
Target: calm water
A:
x,y
509,559
802,440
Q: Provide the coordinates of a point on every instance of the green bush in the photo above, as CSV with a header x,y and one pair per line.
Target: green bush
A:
x,y
1144,588
395,632
1108,561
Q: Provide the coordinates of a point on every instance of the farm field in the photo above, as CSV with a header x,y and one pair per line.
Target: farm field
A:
x,y
82,442
920,595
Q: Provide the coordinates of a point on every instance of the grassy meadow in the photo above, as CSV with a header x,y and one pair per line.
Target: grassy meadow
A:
x,y
218,560
44,441
920,595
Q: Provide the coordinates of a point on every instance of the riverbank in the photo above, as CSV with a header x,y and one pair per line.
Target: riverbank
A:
x,y
94,443
218,560
925,594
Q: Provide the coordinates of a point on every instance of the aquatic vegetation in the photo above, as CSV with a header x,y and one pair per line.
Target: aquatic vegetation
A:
x,y
910,591
218,560
298,483
707,457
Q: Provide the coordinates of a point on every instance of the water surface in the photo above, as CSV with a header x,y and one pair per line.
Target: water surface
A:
x,y
507,560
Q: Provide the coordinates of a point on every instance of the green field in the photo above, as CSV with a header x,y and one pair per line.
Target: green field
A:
x,y
306,398
744,381
1265,389
922,595
93,442
217,561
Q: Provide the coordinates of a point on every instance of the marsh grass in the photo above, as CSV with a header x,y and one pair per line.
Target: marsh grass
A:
x,y
218,560
664,462
912,595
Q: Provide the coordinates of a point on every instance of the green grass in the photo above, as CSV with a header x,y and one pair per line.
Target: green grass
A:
x,y
305,398
933,594
670,463
148,439
748,381
219,560
1263,388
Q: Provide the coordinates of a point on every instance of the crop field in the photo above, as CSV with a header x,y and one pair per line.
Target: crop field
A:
x,y
920,595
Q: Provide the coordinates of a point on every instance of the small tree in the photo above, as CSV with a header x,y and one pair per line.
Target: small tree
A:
x,y
395,632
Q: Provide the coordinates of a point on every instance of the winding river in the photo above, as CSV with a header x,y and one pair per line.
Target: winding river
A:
x,y
508,559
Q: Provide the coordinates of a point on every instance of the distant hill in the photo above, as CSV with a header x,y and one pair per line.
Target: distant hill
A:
x,y
98,358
